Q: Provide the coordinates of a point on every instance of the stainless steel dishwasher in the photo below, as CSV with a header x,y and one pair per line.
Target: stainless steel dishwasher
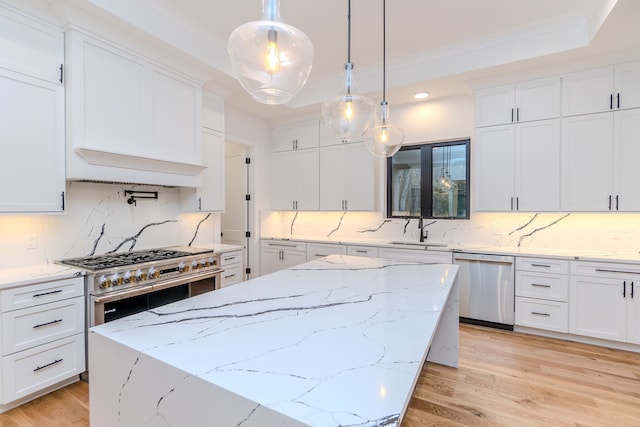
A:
x,y
486,284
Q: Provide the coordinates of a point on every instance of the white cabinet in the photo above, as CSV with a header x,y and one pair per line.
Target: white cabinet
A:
x,y
517,167
277,255
297,136
523,102
319,250
542,294
212,111
601,89
43,337
421,255
603,301
31,48
295,180
231,262
347,178
129,118
359,250
209,195
32,165
598,162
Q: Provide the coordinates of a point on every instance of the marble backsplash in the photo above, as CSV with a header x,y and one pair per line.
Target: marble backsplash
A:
x,y
98,220
614,232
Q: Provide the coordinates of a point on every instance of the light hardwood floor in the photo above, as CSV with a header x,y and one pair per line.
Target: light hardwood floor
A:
x,y
504,378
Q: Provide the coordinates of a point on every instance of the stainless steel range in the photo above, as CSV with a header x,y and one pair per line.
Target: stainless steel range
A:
x,y
122,284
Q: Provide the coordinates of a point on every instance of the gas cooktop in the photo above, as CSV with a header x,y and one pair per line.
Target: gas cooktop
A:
x,y
123,259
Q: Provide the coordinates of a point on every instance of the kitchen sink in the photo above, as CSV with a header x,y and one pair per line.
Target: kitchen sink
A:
x,y
418,244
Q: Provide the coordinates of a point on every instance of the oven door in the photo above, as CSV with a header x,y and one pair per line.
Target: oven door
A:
x,y
115,305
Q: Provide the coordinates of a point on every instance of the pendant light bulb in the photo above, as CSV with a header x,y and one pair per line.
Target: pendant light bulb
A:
x,y
272,60
384,139
349,115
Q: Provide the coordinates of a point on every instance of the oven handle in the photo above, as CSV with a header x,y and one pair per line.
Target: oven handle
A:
x,y
157,286
187,279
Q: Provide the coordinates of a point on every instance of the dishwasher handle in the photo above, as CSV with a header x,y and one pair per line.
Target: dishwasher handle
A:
x,y
484,258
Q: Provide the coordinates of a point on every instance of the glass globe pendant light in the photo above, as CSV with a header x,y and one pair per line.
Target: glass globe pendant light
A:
x,y
349,115
272,60
384,138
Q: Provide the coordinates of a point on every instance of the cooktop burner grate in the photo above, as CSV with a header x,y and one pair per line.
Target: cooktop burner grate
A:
x,y
102,262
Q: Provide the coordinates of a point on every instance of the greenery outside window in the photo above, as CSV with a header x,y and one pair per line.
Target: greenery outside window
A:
x,y
429,180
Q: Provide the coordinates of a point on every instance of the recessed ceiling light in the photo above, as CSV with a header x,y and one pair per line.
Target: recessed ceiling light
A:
x,y
421,95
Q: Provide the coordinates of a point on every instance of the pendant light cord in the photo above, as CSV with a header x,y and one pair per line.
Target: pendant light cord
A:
x,y
349,32
384,51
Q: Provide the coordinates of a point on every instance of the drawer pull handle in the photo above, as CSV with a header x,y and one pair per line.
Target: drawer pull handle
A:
x,y
536,313
282,245
360,251
538,285
57,291
231,275
47,324
47,365
541,265
230,258
605,270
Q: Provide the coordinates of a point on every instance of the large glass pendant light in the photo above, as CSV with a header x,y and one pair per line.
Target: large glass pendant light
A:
x,y
384,138
271,59
349,115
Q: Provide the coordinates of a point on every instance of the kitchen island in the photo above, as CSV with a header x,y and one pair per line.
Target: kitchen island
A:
x,y
336,341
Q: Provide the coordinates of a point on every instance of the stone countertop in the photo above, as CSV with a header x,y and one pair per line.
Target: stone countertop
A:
x,y
336,341
221,248
20,276
574,254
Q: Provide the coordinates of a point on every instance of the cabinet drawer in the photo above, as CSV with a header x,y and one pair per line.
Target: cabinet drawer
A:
x,y
319,250
41,293
368,251
231,275
606,269
544,265
543,286
284,245
230,258
549,315
420,255
32,326
32,370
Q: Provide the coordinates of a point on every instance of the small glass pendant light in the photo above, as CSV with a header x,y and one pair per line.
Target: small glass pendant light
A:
x,y
384,139
349,115
271,59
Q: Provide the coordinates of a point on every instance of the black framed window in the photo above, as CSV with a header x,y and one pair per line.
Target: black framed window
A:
x,y
429,180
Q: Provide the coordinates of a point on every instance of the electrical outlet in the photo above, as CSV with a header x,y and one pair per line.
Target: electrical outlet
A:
x,y
32,241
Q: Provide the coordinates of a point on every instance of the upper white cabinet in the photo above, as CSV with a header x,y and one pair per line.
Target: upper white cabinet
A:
x,y
517,167
212,111
32,167
295,180
297,136
347,178
30,47
130,119
602,89
598,162
528,101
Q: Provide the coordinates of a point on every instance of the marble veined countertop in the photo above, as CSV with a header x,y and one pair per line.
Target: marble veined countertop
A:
x,y
336,341
20,276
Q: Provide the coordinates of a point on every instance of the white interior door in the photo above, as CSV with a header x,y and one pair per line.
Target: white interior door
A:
x,y
234,219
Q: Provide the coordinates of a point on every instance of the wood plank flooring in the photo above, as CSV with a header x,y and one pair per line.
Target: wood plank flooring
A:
x,y
504,379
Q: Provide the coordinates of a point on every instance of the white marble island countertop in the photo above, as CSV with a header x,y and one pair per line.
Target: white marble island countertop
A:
x,y
336,341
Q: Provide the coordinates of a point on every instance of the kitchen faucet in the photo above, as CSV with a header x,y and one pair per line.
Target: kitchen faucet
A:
x,y
423,233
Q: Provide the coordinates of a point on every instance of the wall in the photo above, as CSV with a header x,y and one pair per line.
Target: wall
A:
x,y
98,219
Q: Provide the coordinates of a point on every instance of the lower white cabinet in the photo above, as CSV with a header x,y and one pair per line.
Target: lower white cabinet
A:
x,y
542,294
319,250
359,250
278,254
43,337
435,257
231,262
605,301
